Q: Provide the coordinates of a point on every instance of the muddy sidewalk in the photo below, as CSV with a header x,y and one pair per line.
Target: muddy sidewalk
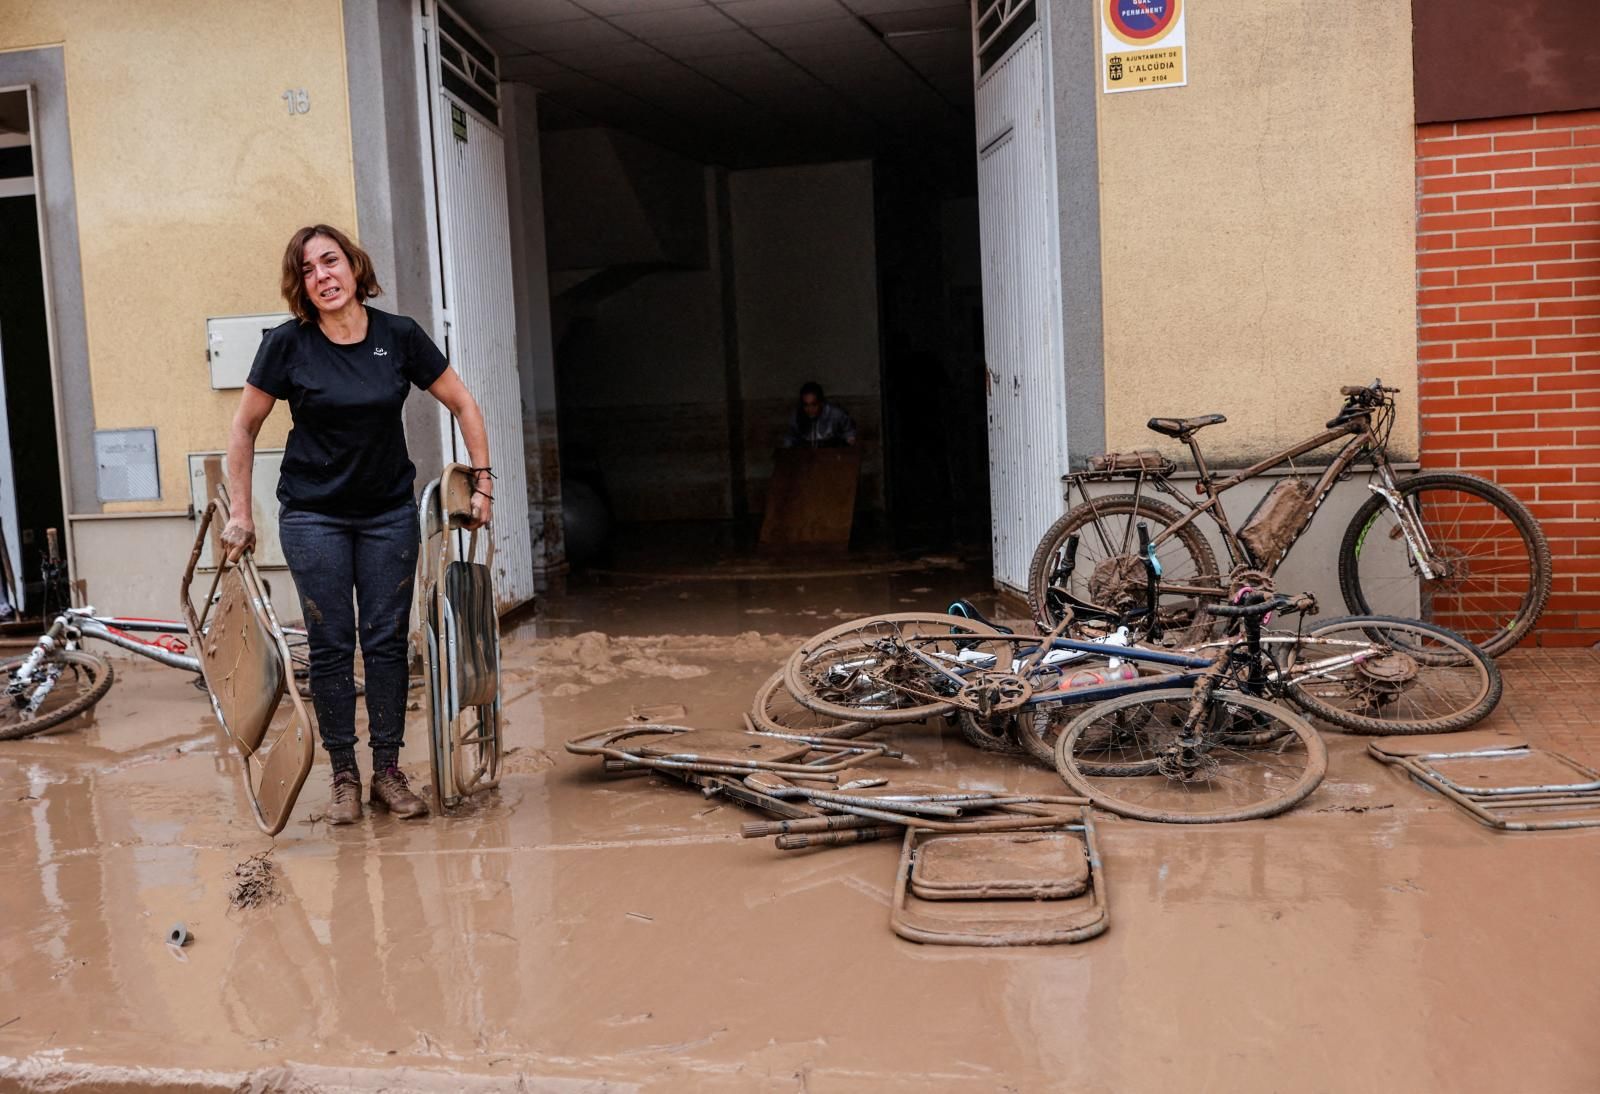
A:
x,y
568,932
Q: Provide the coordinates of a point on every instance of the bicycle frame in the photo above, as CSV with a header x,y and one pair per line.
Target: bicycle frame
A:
x,y
1359,439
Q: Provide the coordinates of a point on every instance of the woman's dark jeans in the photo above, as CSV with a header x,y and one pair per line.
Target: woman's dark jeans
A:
x,y
376,558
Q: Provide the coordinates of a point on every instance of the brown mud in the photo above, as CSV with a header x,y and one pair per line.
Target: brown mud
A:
x,y
573,932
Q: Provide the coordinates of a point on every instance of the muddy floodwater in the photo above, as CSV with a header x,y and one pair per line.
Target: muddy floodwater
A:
x,y
573,931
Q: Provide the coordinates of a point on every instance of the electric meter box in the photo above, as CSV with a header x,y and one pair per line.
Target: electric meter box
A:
x,y
231,344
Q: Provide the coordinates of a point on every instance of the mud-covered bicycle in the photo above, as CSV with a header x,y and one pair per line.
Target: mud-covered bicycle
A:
x,y
58,679
1442,546
1369,674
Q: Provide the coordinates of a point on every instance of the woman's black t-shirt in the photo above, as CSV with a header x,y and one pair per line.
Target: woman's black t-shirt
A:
x,y
347,451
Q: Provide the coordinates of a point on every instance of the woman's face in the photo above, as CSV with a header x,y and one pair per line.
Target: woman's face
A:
x,y
325,271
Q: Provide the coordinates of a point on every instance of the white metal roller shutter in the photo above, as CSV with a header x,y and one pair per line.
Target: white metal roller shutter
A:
x,y
478,309
1021,305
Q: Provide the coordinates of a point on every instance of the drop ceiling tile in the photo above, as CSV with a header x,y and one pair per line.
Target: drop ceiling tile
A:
x,y
821,32
599,58
953,20
674,22
875,7
483,15
564,80
627,7
528,67
774,13
554,37
934,50
503,47
711,45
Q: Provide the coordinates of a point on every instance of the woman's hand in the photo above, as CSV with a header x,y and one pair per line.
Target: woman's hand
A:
x,y
238,537
482,510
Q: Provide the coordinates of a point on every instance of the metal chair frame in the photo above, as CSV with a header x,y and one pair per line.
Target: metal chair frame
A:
x,y
273,771
465,758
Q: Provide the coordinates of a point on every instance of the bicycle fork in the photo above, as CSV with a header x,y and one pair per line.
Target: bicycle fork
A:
x,y
1410,526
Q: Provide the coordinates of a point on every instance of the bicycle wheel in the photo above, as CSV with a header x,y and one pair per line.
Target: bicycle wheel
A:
x,y
878,669
997,734
1038,731
77,681
1107,571
1387,677
775,711
1493,562
1125,755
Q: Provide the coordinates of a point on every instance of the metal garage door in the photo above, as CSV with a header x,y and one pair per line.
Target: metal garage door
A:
x,y
1021,304
477,309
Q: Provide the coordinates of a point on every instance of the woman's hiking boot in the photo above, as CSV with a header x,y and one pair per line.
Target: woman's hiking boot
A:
x,y
389,791
346,805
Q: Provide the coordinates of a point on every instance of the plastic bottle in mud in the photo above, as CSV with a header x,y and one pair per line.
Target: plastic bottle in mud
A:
x,y
1110,674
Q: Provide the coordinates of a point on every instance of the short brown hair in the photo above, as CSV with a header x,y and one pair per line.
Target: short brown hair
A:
x,y
294,282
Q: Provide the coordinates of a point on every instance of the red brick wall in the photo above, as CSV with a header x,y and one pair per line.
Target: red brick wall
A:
x,y
1508,330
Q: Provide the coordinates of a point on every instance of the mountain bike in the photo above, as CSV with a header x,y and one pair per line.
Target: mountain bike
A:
x,y
1442,546
58,679
1369,674
1196,755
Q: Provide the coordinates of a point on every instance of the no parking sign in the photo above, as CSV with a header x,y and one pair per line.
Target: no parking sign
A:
x,y
1142,44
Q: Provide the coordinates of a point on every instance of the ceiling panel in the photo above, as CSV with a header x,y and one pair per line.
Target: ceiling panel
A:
x,y
528,67
577,34
674,22
493,14
952,18
711,45
600,58
875,7
773,13
746,83
625,7
821,32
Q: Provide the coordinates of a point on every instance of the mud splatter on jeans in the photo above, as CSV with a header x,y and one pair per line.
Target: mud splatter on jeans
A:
x,y
342,567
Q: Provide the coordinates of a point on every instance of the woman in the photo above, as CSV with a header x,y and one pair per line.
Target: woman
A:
x,y
348,520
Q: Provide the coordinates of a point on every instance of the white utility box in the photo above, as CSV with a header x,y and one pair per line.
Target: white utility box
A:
x,y
231,344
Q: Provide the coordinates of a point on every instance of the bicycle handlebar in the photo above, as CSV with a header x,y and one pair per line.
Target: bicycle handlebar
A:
x,y
1376,387
1262,607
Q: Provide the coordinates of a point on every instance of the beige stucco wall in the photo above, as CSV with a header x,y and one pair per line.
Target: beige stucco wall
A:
x,y
190,175
1257,226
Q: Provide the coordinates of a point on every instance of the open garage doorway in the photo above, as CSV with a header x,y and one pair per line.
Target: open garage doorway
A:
x,y
31,508
742,197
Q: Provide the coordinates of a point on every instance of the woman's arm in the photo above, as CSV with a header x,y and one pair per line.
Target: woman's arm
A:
x,y
240,534
455,397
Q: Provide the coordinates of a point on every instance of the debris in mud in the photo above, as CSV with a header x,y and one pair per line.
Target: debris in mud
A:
x,y
563,667
255,882
1353,808
525,761
664,713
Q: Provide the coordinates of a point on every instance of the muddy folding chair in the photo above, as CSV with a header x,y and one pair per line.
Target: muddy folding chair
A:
x,y
247,669
682,749
1499,779
1026,888
459,639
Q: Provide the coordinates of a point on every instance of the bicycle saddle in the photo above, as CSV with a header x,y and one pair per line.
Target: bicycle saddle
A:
x,y
967,610
1182,427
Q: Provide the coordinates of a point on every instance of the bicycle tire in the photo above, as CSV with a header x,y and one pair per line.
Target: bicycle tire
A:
x,y
1039,730
1131,795
1186,557
100,678
995,735
852,639
1459,674
1376,594
774,710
